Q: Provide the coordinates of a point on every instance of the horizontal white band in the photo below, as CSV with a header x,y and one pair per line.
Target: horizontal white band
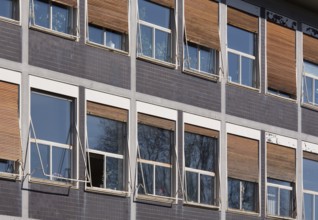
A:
x,y
10,76
157,111
243,131
310,147
107,99
281,140
201,121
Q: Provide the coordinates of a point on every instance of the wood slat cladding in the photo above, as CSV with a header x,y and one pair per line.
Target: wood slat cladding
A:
x,y
242,20
71,3
201,131
310,156
10,142
109,14
310,48
107,111
156,121
281,59
243,158
202,23
166,3
281,162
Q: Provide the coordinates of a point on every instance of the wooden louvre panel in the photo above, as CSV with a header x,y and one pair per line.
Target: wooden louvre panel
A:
x,y
310,156
310,49
202,23
10,142
109,14
201,131
281,162
107,111
166,3
156,121
281,59
242,157
242,20
71,3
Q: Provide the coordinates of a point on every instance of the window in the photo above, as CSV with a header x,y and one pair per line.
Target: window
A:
x,y
310,175
200,165
155,147
242,57
200,58
310,83
107,141
279,198
51,136
54,16
242,195
154,31
9,9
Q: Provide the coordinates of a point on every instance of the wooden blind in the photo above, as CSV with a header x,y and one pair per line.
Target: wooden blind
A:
x,y
166,3
310,156
242,20
281,162
106,111
281,59
201,131
202,23
156,121
10,142
242,157
71,3
109,14
310,49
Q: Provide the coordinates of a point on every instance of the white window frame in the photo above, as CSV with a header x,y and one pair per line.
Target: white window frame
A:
x,y
11,20
315,195
305,88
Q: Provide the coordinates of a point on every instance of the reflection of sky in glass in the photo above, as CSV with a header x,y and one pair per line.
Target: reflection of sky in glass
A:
x,y
36,168
285,203
153,13
61,162
272,200
310,175
311,68
206,60
240,40
42,13
192,52
96,35
308,200
234,67
114,40
145,40
60,19
162,46
6,166
6,8
308,88
247,72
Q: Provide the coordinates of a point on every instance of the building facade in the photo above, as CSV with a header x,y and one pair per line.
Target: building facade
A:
x,y
158,109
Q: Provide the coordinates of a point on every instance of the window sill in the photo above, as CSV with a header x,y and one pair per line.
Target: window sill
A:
x,y
55,33
107,191
155,200
155,61
309,106
10,21
52,183
243,86
92,44
280,217
281,97
211,77
10,176
201,205
236,211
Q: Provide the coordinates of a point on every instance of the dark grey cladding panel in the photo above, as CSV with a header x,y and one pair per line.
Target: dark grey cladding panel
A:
x,y
10,41
77,59
309,121
174,85
248,104
10,198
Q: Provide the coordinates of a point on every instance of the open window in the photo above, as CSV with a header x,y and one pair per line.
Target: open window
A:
x,y
10,9
242,32
108,23
59,16
156,30
202,43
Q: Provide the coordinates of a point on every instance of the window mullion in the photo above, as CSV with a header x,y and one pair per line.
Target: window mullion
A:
x,y
154,180
199,55
51,162
105,172
51,16
104,38
313,208
240,69
199,188
241,191
278,201
153,42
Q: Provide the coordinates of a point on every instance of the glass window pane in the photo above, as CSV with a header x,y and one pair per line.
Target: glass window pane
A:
x,y
97,169
42,13
60,19
6,166
105,134
308,90
234,67
114,40
248,74
272,200
285,203
206,189
163,46
316,207
192,186
6,9
199,152
310,174
249,195
279,182
61,163
145,41
316,91
233,193
311,68
145,178
96,34
240,40
154,143
163,181
308,201
206,60
114,173
192,54
36,168
153,13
